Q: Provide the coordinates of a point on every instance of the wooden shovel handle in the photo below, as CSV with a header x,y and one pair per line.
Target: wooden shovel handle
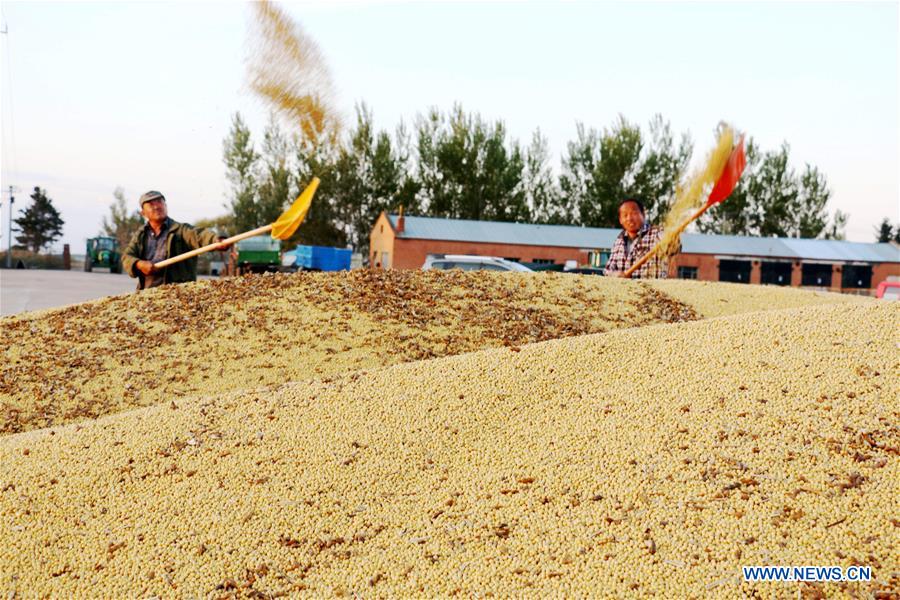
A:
x,y
204,249
680,229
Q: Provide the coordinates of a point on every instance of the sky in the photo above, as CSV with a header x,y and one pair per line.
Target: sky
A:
x,y
139,95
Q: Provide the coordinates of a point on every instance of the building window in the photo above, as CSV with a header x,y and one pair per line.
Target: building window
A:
x,y
735,271
687,272
542,261
382,229
856,277
775,273
512,258
598,258
815,274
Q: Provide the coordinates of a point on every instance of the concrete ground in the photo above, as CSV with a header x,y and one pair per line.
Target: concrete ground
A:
x,y
34,289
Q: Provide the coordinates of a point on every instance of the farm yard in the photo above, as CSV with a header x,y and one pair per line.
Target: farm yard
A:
x,y
409,433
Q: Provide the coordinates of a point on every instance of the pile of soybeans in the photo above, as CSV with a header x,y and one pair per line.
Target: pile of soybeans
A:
x,y
564,436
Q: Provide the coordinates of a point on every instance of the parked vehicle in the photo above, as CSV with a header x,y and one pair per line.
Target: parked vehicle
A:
x,y
888,290
258,254
468,262
317,258
216,267
543,267
103,252
585,271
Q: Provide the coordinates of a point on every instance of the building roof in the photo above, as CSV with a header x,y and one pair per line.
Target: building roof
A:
x,y
495,232
568,236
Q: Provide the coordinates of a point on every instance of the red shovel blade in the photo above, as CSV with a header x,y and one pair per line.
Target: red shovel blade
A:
x,y
730,175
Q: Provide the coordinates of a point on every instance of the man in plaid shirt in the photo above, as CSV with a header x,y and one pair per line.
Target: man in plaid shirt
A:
x,y
636,240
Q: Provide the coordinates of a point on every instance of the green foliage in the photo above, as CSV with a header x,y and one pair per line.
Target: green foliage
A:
x,y
771,199
577,178
885,232
468,170
275,192
40,224
317,157
542,194
459,165
735,215
661,168
122,223
369,178
599,170
240,162
614,174
223,224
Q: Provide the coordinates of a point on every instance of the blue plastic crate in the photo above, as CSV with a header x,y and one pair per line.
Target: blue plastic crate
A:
x,y
323,258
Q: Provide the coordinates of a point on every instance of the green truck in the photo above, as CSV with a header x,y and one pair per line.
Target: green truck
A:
x,y
102,252
258,254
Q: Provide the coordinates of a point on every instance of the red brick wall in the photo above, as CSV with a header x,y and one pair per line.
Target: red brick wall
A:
x,y
796,273
883,271
756,272
411,253
707,265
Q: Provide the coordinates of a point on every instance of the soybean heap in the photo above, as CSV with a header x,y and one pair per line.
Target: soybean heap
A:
x,y
435,434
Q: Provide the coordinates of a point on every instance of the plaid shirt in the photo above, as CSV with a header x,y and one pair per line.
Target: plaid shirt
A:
x,y
621,260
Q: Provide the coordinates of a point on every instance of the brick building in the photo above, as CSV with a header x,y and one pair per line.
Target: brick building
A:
x,y
401,242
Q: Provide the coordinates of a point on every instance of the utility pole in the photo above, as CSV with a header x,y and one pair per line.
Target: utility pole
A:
x,y
12,199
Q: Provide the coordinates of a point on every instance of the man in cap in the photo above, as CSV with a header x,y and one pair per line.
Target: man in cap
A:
x,y
636,239
162,238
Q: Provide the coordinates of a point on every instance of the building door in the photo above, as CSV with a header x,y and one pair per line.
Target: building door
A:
x,y
856,277
386,260
735,271
775,273
816,275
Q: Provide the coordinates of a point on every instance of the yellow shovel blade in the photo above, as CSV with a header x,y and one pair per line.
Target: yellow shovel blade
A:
x,y
291,219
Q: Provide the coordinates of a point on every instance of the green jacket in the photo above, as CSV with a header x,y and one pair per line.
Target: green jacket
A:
x,y
181,238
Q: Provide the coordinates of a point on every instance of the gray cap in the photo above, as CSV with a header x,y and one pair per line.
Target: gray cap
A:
x,y
151,195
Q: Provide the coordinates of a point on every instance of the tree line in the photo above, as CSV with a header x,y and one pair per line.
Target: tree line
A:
x,y
457,164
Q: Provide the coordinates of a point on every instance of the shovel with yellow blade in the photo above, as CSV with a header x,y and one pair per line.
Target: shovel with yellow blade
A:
x,y
281,229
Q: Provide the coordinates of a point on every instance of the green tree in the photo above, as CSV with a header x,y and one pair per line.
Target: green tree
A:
x,y
240,162
371,175
885,231
577,177
122,223
408,195
835,229
317,157
600,169
40,224
614,174
274,193
771,199
542,193
437,200
468,170
500,179
223,224
811,214
774,192
661,168
733,216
